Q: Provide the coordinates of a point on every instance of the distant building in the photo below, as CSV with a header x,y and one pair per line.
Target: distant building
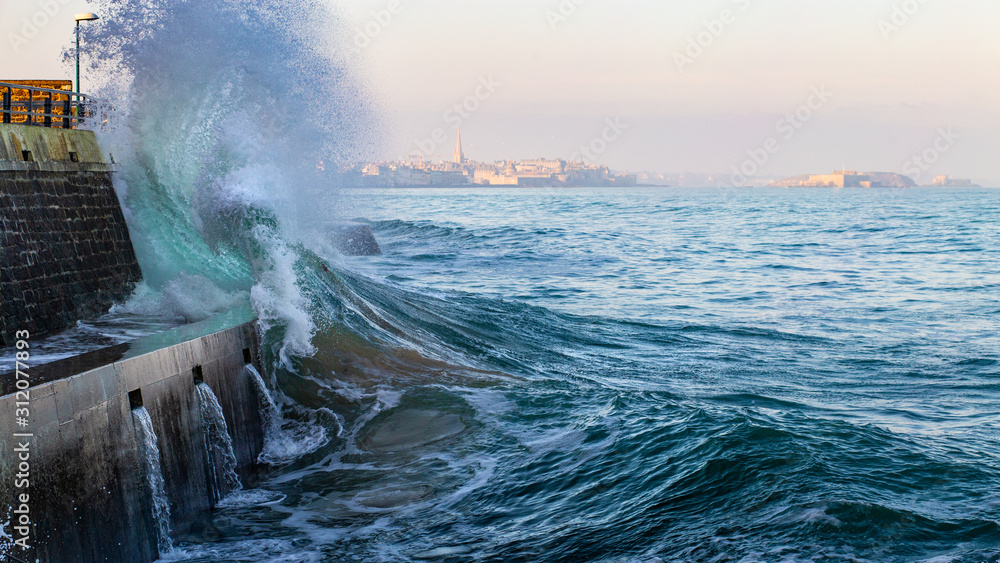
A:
x,y
459,155
848,179
949,182
539,172
839,179
540,167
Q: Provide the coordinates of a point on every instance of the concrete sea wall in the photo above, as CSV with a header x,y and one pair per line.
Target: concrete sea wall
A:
x,y
89,500
65,252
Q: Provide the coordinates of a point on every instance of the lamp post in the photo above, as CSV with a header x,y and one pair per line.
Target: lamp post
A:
x,y
85,17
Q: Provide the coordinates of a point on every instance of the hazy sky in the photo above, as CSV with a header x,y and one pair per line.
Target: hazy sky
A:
x,y
700,86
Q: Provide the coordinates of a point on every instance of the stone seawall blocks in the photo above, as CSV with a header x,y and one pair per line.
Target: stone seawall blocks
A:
x,y
66,253
89,499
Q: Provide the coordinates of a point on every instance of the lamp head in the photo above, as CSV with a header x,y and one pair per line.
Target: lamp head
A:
x,y
86,17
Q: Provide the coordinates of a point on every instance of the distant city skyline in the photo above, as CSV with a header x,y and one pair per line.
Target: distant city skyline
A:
x,y
579,171
415,170
695,86
895,79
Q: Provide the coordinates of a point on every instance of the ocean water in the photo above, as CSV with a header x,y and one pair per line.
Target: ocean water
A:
x,y
621,376
644,375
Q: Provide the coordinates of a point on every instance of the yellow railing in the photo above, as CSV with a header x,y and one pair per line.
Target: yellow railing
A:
x,y
26,104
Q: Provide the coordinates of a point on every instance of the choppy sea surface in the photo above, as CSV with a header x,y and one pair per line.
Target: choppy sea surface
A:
x,y
640,375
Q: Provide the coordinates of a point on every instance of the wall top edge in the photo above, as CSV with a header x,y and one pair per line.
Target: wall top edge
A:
x,y
113,356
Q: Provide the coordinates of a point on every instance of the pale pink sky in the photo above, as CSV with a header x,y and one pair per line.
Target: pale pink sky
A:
x,y
559,76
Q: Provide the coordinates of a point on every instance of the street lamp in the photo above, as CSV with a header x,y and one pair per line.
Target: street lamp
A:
x,y
85,17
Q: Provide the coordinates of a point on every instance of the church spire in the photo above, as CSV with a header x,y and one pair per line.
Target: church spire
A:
x,y
459,155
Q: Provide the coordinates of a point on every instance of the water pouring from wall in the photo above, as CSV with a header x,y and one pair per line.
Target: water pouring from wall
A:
x,y
223,478
154,477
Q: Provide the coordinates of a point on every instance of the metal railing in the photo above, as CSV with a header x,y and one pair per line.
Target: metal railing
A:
x,y
42,107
